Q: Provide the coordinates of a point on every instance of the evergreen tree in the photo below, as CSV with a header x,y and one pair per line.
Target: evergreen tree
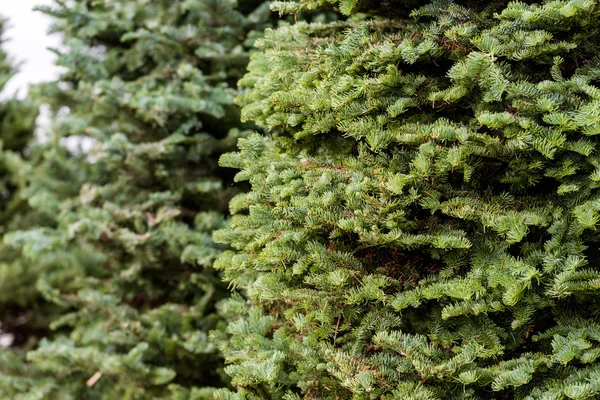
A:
x,y
423,220
149,85
24,313
17,122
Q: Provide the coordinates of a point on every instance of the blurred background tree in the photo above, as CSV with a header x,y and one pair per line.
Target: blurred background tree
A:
x,y
145,108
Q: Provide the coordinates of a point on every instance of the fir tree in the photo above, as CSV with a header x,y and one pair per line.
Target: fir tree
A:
x,y
423,220
24,313
150,85
17,122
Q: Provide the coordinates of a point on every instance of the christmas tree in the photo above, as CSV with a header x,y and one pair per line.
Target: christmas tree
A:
x,y
24,313
17,122
423,219
143,111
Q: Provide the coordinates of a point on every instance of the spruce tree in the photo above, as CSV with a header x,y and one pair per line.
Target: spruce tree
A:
x,y
149,87
423,219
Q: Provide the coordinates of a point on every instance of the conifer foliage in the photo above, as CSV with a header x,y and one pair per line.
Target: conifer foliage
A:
x,y
17,121
150,86
423,219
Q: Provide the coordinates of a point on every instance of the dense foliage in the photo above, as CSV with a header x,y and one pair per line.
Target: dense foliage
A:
x,y
17,122
423,219
149,87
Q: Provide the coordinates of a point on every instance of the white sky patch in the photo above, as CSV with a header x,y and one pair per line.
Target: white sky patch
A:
x,y
28,42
